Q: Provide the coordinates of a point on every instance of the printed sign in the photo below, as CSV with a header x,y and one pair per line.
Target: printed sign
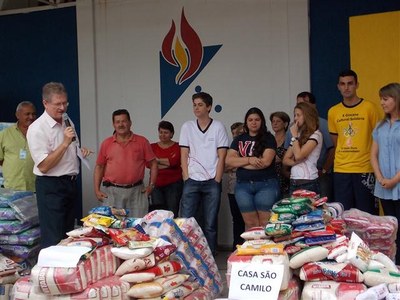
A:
x,y
255,281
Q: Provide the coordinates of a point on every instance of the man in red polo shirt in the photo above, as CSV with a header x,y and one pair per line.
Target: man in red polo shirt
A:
x,y
120,168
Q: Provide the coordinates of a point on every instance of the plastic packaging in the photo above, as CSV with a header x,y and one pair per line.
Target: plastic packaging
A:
x,y
374,293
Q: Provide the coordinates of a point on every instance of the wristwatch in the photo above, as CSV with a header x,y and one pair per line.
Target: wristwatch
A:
x,y
293,139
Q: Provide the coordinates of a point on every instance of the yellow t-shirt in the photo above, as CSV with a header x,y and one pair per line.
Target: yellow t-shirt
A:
x,y
353,127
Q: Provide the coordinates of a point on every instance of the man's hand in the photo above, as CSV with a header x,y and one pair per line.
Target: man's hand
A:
x,y
101,196
69,134
148,189
86,152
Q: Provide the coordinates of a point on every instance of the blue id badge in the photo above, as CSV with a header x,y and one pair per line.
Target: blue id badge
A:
x,y
22,154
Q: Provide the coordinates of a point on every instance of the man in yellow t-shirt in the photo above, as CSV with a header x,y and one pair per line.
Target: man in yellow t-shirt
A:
x,y
350,124
15,159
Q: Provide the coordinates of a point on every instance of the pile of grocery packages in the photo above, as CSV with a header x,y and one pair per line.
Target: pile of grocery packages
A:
x,y
154,257
336,254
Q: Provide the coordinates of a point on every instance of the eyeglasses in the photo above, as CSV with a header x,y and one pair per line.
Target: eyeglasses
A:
x,y
59,105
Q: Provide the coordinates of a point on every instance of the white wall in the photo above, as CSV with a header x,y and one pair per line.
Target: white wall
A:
x,y
263,62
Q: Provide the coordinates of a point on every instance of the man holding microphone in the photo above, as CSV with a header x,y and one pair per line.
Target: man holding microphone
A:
x,y
54,150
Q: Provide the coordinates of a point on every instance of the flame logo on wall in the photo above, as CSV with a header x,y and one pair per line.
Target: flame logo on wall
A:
x,y
182,58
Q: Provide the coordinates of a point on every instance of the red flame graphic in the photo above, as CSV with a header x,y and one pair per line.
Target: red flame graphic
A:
x,y
187,51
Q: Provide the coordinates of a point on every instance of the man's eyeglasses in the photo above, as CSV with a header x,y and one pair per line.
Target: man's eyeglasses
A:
x,y
59,105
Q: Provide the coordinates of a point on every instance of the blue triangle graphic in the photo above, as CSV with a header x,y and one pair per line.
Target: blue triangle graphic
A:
x,y
170,92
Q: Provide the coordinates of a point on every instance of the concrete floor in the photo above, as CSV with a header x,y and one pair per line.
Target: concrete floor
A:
x,y
221,259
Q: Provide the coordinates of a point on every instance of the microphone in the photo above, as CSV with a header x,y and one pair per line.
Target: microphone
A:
x,y
68,123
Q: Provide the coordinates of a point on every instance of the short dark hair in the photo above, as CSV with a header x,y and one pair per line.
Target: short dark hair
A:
x,y
311,97
166,125
119,112
349,72
207,99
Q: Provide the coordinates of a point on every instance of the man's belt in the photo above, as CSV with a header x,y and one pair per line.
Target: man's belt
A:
x,y
122,186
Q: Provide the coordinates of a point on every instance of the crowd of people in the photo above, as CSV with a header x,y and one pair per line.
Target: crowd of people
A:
x,y
352,157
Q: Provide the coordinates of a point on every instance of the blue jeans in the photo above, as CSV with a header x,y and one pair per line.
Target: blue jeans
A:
x,y
209,194
355,190
167,197
257,195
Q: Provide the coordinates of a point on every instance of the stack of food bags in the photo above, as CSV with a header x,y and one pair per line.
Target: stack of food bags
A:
x,y
121,261
192,249
19,230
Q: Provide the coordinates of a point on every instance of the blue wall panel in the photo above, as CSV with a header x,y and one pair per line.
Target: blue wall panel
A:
x,y
36,48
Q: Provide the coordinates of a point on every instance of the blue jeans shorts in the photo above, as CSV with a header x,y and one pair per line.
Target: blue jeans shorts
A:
x,y
257,195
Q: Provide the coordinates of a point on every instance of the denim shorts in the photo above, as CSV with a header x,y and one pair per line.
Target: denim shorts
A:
x,y
257,195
